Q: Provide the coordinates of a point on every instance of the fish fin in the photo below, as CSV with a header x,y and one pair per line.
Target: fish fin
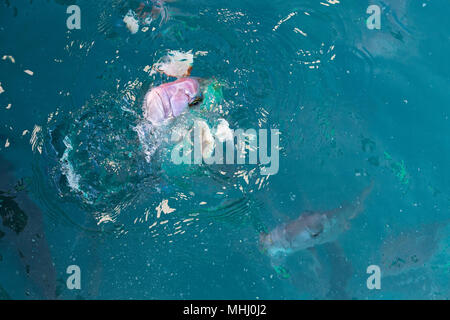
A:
x,y
340,270
360,200
317,266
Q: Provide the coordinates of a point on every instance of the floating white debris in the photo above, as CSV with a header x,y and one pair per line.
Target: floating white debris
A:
x,y
8,106
25,132
147,68
163,207
290,15
7,144
176,64
29,72
297,30
35,141
131,21
105,218
147,212
1,88
201,53
10,58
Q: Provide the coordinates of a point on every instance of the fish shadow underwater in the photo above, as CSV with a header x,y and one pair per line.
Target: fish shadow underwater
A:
x,y
310,243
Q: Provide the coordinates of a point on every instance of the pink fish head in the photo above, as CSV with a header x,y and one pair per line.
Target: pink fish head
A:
x,y
170,99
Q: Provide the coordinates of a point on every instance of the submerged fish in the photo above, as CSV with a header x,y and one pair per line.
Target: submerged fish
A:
x,y
170,99
310,230
412,249
22,227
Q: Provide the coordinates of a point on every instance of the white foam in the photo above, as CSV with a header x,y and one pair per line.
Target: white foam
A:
x,y
175,64
73,179
148,137
131,21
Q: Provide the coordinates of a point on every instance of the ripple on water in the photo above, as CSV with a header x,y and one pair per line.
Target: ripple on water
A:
x,y
274,68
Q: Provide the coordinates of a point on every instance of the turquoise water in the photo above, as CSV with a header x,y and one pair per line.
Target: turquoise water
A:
x,y
353,106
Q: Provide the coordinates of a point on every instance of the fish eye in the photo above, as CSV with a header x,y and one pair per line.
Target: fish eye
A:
x,y
196,101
